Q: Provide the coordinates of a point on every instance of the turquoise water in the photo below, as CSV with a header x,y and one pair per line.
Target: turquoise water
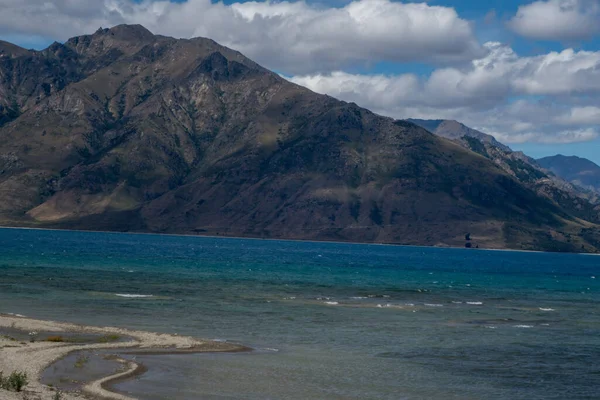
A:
x,y
327,320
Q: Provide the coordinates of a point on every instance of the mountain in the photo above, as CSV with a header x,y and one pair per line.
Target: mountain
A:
x,y
576,199
124,130
579,171
454,130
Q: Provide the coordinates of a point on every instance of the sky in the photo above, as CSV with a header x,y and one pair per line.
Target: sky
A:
x,y
527,72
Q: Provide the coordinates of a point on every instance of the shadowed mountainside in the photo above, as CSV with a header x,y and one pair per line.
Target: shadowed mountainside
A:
x,y
127,131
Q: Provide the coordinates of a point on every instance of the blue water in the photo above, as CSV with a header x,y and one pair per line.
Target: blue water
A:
x,y
327,320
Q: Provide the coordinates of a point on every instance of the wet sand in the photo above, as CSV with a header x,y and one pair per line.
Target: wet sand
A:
x,y
33,358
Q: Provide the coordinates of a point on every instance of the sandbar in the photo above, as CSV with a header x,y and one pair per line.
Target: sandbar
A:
x,y
34,357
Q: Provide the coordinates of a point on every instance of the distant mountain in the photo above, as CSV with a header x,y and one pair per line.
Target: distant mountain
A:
x,y
454,130
579,171
578,199
123,130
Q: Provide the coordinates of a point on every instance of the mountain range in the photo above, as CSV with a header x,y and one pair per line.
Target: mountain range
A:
x,y
579,171
123,130
564,189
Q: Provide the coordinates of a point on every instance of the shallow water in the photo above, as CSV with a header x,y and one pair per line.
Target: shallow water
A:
x,y
328,320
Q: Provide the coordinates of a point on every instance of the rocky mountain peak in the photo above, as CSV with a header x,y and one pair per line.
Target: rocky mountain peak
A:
x,y
127,33
121,39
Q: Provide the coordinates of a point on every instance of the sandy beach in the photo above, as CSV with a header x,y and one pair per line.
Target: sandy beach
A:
x,y
34,357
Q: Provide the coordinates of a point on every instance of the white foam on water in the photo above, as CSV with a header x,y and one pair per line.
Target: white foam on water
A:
x,y
523,326
15,315
134,296
457,302
409,304
546,309
434,305
475,303
332,303
491,327
358,297
271,349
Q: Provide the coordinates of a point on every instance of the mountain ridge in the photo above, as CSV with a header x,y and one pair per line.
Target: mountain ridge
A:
x,y
123,131
577,170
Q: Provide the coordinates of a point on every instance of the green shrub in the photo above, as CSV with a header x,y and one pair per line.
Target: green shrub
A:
x,y
14,382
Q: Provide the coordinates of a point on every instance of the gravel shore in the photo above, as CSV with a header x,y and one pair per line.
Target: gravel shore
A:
x,y
34,357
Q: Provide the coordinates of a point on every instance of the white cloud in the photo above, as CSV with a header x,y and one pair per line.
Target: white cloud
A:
x,y
563,20
294,37
485,82
580,116
563,137
515,98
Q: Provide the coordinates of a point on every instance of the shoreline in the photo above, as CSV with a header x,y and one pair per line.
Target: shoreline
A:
x,y
34,357
505,249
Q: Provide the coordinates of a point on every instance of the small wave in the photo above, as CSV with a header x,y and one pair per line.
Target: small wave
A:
x,y
546,309
15,315
134,296
475,303
457,302
271,349
409,304
523,326
491,327
434,305
332,303
384,305
358,298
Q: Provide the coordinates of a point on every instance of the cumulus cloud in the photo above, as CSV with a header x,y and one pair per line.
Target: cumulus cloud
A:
x,y
562,20
561,137
515,98
294,37
580,115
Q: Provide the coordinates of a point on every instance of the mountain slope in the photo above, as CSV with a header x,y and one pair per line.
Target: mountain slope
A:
x,y
147,133
579,171
454,130
572,197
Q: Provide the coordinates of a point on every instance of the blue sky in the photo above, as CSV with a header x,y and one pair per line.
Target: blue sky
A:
x,y
526,71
